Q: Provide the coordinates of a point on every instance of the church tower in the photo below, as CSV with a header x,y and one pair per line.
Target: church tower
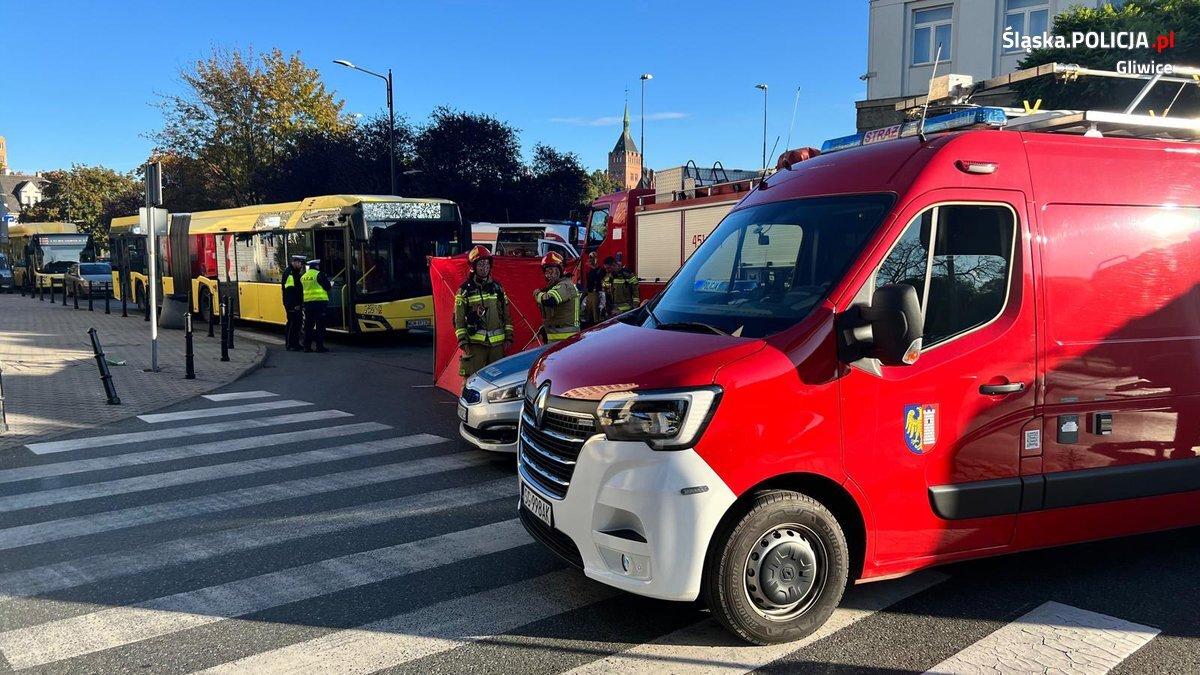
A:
x,y
625,161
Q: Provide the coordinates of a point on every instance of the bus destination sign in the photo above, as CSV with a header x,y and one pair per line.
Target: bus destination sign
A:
x,y
406,211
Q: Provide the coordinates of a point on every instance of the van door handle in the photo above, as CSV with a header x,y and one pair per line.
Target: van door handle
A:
x,y
999,389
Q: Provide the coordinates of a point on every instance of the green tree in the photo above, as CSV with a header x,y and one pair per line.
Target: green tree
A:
x,y
556,185
1154,17
472,159
351,161
239,116
80,195
598,185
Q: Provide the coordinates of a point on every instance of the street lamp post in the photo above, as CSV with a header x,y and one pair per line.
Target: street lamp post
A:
x,y
764,91
391,116
646,76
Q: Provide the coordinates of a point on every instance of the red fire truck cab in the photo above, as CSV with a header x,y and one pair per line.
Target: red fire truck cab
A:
x,y
884,358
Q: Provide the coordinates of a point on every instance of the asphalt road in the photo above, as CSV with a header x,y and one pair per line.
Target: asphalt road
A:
x,y
336,523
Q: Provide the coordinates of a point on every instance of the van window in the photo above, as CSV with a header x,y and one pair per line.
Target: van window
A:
x,y
963,281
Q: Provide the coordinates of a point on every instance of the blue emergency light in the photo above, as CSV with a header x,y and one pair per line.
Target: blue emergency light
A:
x,y
993,117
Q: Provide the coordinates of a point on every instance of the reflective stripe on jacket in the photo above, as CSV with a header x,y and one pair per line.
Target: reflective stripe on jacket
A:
x,y
561,320
623,286
481,313
313,291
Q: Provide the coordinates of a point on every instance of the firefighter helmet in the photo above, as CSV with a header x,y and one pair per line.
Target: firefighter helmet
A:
x,y
552,259
478,253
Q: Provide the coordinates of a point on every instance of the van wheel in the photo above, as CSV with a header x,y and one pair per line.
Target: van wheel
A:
x,y
776,573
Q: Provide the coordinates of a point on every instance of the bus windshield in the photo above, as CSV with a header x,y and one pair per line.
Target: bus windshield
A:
x,y
393,261
766,267
57,259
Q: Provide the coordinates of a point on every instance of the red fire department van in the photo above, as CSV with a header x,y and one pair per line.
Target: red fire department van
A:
x,y
889,357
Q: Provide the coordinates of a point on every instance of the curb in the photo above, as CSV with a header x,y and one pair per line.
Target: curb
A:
x,y
259,361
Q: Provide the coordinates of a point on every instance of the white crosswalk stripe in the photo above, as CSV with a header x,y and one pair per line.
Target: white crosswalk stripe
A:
x,y
68,601
707,647
136,516
206,473
182,452
223,411
109,628
51,447
431,630
1053,638
240,395
224,542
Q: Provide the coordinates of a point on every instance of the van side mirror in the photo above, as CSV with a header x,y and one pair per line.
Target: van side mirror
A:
x,y
889,330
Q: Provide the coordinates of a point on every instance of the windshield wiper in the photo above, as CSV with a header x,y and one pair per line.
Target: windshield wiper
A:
x,y
676,325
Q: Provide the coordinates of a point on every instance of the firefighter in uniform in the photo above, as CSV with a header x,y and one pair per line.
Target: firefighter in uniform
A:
x,y
594,285
293,302
621,286
315,286
558,301
481,319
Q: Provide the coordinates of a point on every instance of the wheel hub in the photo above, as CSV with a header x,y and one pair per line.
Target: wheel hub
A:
x,y
781,572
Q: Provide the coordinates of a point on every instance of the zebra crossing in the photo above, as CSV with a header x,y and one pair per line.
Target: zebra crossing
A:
x,y
317,541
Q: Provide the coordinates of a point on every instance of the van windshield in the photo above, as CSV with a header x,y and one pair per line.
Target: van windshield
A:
x,y
765,267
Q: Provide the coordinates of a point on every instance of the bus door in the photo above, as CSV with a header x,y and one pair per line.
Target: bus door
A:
x,y
227,275
331,247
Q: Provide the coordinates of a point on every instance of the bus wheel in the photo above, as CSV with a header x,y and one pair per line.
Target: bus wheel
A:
x,y
777,573
205,305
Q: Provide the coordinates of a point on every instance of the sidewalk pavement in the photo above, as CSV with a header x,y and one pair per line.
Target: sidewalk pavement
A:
x,y
52,385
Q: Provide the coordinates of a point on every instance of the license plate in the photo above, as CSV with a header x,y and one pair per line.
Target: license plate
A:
x,y
417,323
462,412
539,507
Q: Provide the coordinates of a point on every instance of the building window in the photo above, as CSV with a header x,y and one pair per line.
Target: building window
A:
x,y
931,28
1027,17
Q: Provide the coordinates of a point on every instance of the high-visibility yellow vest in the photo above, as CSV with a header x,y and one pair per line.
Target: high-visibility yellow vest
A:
x,y
313,292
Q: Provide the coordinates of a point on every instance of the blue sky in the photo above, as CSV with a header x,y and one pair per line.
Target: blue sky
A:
x,y
83,76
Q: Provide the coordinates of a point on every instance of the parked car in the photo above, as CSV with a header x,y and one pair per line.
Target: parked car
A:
x,y
93,279
6,275
490,405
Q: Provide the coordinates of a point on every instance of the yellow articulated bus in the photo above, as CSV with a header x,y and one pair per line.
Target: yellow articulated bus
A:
x,y
42,252
130,261
374,249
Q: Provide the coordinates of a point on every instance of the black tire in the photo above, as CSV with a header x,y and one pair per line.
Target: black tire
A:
x,y
140,297
205,305
794,542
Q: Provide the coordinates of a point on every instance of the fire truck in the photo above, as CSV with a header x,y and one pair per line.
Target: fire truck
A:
x,y
653,232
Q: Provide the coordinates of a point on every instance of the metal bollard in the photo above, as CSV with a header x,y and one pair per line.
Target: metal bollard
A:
x,y
52,291
124,301
188,355
110,390
107,296
229,305
76,296
41,290
63,288
224,330
3,415
212,316
90,296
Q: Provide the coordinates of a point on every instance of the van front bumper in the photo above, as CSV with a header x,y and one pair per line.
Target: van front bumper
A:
x,y
634,518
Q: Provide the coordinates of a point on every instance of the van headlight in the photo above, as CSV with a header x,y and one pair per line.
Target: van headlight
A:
x,y
506,393
665,420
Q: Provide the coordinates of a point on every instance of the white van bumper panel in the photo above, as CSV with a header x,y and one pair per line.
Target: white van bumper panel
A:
x,y
642,519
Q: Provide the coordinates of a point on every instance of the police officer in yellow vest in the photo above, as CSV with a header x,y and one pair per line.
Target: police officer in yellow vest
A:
x,y
293,302
558,301
482,322
621,286
315,286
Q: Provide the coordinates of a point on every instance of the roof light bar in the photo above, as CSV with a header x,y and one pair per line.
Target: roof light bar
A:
x,y
992,117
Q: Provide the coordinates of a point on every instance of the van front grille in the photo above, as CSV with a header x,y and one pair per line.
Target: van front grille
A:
x,y
548,453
